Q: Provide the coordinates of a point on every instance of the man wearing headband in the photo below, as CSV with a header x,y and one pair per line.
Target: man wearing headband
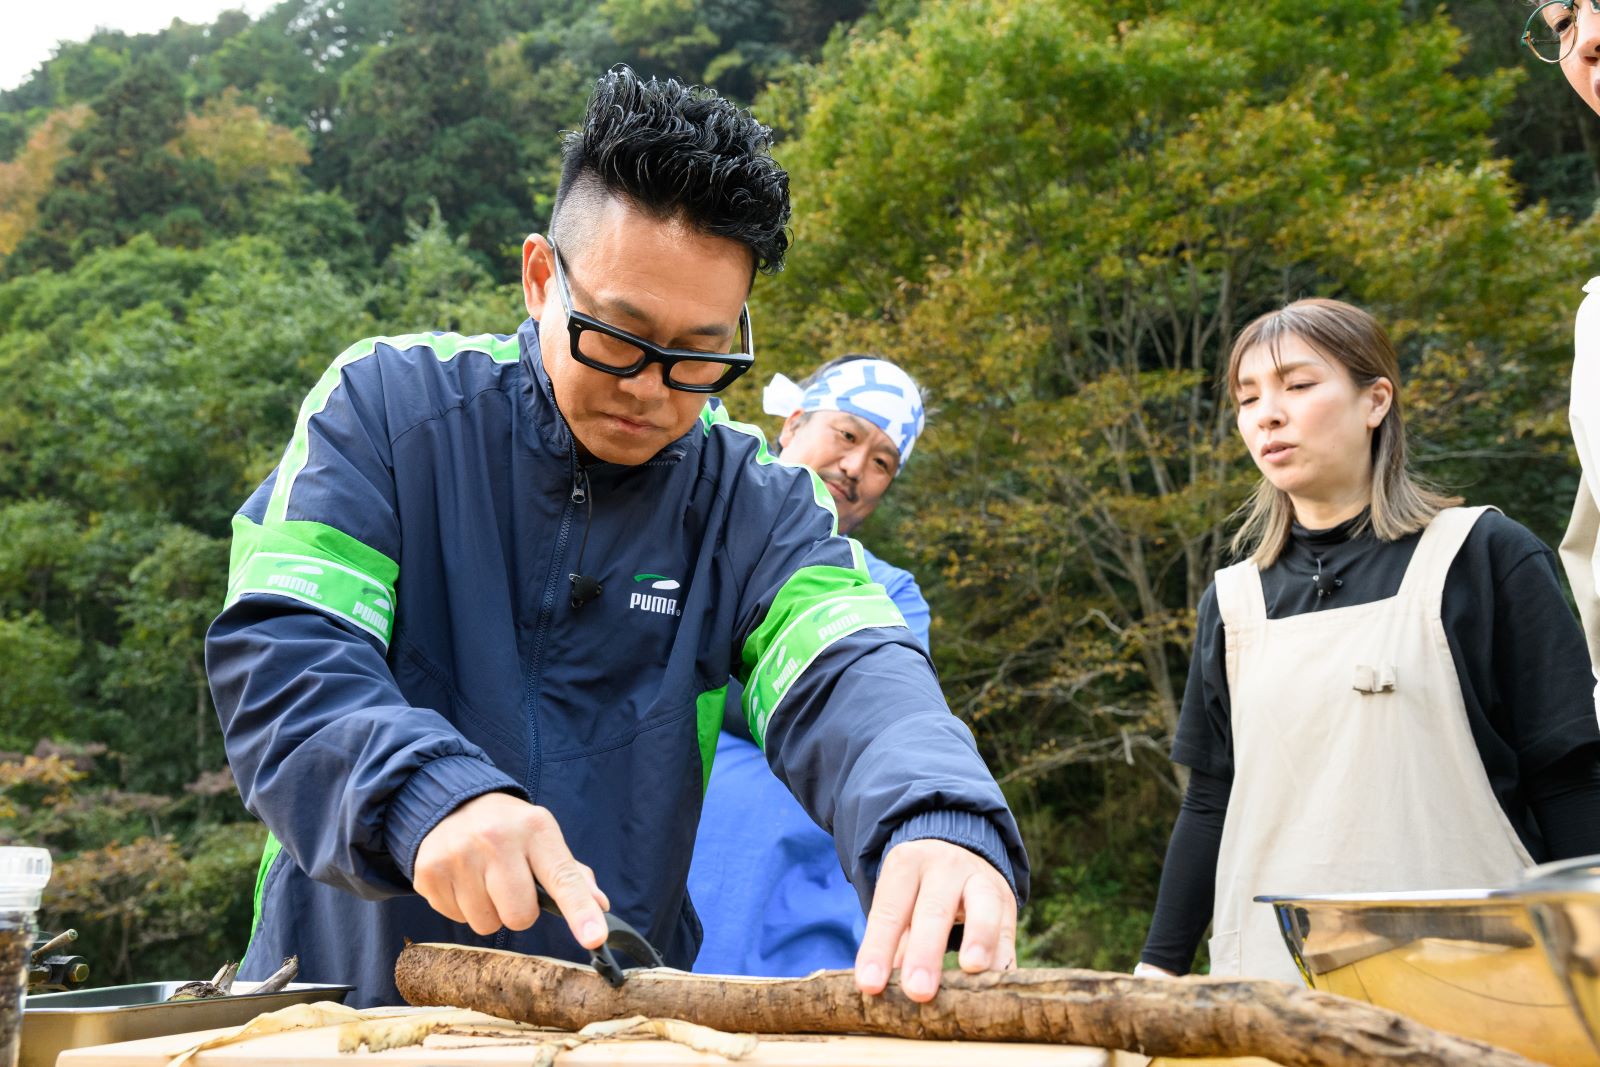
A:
x,y
771,893
829,425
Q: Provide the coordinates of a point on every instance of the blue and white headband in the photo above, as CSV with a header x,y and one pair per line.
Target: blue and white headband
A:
x,y
872,389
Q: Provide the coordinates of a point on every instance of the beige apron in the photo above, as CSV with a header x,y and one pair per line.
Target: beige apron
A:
x,y
1354,765
1578,547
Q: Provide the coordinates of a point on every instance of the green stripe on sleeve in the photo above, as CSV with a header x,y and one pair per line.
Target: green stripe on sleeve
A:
x,y
445,347
707,725
817,606
315,565
713,415
858,555
268,854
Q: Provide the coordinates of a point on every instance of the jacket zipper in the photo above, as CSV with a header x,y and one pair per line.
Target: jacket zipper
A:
x,y
530,693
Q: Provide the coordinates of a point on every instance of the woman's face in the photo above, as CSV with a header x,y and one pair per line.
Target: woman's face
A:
x,y
1308,425
1582,64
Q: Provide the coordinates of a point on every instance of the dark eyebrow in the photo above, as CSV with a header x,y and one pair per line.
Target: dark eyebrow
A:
x,y
1280,370
619,306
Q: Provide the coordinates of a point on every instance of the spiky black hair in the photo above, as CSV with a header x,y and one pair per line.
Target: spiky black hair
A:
x,y
676,152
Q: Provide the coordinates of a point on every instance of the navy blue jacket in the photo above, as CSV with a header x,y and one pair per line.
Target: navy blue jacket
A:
x,y
398,638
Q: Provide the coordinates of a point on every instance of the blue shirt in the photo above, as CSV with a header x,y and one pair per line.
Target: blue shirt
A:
x,y
765,879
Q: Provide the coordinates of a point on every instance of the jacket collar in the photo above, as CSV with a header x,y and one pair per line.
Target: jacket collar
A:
x,y
537,394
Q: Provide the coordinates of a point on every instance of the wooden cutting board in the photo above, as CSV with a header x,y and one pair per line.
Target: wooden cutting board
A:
x,y
318,1048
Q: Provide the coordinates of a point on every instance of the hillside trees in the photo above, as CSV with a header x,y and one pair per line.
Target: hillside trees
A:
x,y
141,163
26,179
121,178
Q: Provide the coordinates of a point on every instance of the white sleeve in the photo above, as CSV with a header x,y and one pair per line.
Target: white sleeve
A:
x,y
1582,541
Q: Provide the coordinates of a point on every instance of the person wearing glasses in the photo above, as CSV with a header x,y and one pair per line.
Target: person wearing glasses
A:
x,y
481,617
1567,32
771,894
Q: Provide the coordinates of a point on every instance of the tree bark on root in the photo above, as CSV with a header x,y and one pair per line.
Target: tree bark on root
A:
x,y
1156,1017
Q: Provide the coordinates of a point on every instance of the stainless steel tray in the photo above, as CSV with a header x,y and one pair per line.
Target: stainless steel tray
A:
x,y
54,1022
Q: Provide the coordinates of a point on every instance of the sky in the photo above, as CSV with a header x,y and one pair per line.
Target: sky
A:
x,y
32,27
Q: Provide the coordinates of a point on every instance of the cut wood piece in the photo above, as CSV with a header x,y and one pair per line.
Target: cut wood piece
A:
x,y
699,1038
294,1017
1156,1017
380,1033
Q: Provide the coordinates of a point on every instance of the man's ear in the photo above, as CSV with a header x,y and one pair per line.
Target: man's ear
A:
x,y
791,426
538,273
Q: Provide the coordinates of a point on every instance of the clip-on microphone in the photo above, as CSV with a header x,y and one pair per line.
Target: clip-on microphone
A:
x,y
1325,591
584,589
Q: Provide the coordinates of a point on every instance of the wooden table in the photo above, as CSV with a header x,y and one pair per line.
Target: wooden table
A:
x,y
318,1048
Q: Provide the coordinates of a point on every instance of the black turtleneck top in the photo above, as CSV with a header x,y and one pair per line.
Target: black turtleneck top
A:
x,y
1525,679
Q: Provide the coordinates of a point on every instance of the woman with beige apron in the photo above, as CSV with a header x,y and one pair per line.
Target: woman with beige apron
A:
x,y
1383,693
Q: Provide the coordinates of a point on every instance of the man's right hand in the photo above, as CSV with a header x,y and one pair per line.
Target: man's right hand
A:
x,y
478,867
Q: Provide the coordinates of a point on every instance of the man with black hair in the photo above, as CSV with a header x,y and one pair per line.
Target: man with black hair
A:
x,y
771,895
481,615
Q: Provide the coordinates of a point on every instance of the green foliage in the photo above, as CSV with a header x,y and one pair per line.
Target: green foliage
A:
x,y
1095,876
219,343
433,282
37,544
157,672
319,227
414,129
83,72
150,390
35,680
290,61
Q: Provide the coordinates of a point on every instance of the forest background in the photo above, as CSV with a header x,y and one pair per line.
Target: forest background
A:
x,y
1055,212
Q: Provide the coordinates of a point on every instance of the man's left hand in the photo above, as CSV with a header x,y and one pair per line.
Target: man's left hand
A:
x,y
924,888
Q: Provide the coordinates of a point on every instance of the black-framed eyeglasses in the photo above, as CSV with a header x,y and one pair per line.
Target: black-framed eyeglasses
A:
x,y
1552,29
606,348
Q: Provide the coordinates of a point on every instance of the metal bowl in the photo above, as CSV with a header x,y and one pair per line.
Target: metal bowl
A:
x,y
1468,962
55,1022
1563,900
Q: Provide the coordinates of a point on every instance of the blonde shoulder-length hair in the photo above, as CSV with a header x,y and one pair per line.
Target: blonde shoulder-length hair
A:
x,y
1348,337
